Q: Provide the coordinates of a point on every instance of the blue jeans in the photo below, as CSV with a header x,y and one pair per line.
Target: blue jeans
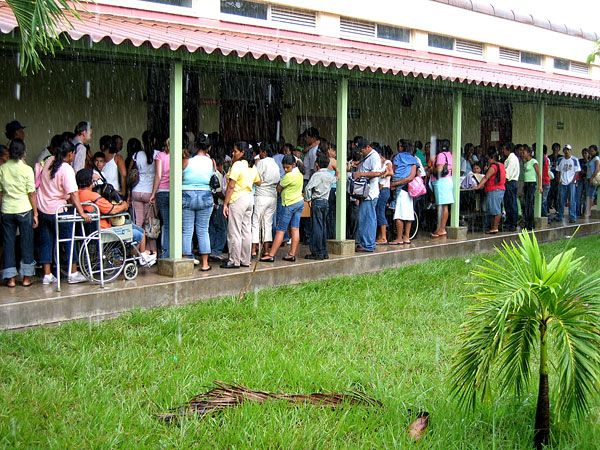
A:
x,y
197,208
580,195
384,196
546,190
47,233
331,214
563,192
162,202
318,217
217,230
510,204
367,224
24,223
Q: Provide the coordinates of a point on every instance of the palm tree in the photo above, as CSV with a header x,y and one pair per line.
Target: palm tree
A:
x,y
520,301
40,24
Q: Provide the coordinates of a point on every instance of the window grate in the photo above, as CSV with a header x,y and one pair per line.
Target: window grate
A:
x,y
293,16
580,68
508,54
469,47
353,27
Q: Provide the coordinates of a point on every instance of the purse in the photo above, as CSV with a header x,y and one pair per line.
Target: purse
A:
x,y
133,176
359,188
151,224
214,182
416,187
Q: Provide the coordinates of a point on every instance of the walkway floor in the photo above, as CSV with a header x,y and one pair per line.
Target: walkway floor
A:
x,y
41,305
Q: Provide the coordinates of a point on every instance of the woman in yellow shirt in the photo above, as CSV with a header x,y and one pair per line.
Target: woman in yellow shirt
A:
x,y
238,206
292,203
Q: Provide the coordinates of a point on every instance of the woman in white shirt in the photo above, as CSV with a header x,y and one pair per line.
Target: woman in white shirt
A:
x,y
142,191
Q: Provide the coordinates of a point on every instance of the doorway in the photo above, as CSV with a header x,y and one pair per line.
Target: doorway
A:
x,y
496,122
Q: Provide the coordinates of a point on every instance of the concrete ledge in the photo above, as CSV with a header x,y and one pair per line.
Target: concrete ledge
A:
x,y
176,268
44,306
595,213
540,223
457,233
342,248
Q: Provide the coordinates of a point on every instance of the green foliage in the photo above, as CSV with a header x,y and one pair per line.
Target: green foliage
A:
x,y
514,296
595,53
40,24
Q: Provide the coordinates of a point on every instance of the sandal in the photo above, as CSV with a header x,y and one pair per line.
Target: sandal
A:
x,y
406,242
395,243
491,232
289,258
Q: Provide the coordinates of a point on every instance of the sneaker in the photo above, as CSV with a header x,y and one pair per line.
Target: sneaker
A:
x,y
49,279
196,262
146,259
77,277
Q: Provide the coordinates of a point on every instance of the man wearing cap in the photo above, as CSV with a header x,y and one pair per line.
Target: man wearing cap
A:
x,y
14,130
567,169
83,134
368,167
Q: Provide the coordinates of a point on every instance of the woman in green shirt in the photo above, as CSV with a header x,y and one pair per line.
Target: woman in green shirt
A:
x,y
532,178
19,211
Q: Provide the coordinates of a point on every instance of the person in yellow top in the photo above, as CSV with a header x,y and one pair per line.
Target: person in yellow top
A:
x,y
238,206
19,211
292,203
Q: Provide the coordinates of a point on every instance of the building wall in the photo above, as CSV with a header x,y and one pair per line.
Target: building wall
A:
x,y
208,105
54,100
580,127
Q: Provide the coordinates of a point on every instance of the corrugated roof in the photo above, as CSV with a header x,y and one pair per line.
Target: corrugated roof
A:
x,y
194,34
494,9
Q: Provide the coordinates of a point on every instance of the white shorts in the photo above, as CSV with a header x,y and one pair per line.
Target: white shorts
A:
x,y
404,206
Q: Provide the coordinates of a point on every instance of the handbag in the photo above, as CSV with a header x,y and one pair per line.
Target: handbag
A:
x,y
151,224
133,176
359,188
416,187
214,182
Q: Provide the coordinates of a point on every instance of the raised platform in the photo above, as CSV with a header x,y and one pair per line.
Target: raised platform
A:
x,y
42,305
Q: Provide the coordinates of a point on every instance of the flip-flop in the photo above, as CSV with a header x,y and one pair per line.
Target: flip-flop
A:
x,y
26,284
206,270
491,232
395,243
406,242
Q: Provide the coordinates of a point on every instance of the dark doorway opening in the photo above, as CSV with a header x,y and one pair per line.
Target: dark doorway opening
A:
x,y
496,122
251,107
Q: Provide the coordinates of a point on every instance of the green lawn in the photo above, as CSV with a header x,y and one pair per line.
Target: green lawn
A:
x,y
391,335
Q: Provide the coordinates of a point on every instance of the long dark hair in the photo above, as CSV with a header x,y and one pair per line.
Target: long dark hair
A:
x,y
148,139
133,146
203,142
65,148
246,149
16,149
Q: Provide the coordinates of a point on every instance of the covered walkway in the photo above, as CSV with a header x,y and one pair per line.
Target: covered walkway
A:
x,y
42,305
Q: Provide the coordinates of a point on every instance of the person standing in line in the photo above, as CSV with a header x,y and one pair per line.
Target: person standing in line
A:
x,y
19,212
567,168
238,206
369,167
114,169
317,193
592,170
494,183
545,183
160,193
384,196
513,171
14,130
83,135
532,181
443,186
554,159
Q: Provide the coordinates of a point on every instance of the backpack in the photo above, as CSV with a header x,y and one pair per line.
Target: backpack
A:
x,y
133,176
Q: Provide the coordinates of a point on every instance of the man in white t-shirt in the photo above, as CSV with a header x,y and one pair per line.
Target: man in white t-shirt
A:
x,y
83,134
567,168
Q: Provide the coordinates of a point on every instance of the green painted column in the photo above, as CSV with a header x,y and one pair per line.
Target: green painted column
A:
x,y
342,138
537,209
175,134
456,145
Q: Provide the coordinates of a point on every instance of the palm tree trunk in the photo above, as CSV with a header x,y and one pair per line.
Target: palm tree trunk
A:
x,y
542,413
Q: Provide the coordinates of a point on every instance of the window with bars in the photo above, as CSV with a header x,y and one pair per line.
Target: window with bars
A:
x,y
456,45
350,27
508,54
272,13
571,66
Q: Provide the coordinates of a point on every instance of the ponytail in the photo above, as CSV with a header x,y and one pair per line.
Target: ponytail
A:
x,y
65,148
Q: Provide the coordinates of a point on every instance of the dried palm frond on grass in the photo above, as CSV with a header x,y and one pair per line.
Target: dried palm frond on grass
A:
x,y
226,396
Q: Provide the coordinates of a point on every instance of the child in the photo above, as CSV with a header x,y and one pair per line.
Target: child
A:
x,y
317,195
98,162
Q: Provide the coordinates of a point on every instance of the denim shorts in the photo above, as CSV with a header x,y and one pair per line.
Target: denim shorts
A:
x,y
290,216
493,201
138,233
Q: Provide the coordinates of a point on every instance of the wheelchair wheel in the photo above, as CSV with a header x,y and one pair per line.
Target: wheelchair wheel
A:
x,y
414,229
130,271
113,256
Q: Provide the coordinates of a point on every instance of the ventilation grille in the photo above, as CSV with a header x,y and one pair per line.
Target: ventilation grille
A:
x,y
293,16
468,47
353,27
579,68
508,54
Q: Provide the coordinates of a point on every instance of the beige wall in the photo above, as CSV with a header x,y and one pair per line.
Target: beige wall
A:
x,y
54,101
581,127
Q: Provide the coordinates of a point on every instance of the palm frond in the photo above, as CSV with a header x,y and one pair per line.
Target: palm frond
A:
x,y
40,24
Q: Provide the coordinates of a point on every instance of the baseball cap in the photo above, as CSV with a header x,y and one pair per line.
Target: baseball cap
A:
x,y
568,146
14,126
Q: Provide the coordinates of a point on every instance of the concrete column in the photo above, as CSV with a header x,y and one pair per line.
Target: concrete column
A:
x,y
540,222
339,245
455,231
175,266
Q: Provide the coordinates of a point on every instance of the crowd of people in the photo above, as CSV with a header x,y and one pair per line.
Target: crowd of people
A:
x,y
246,200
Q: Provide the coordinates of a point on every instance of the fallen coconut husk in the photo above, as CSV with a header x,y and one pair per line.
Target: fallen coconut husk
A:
x,y
416,430
226,396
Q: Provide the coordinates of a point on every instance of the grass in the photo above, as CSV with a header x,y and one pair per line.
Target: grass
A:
x,y
94,384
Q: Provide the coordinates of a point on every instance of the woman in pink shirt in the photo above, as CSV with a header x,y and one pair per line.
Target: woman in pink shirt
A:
x,y
57,188
160,192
